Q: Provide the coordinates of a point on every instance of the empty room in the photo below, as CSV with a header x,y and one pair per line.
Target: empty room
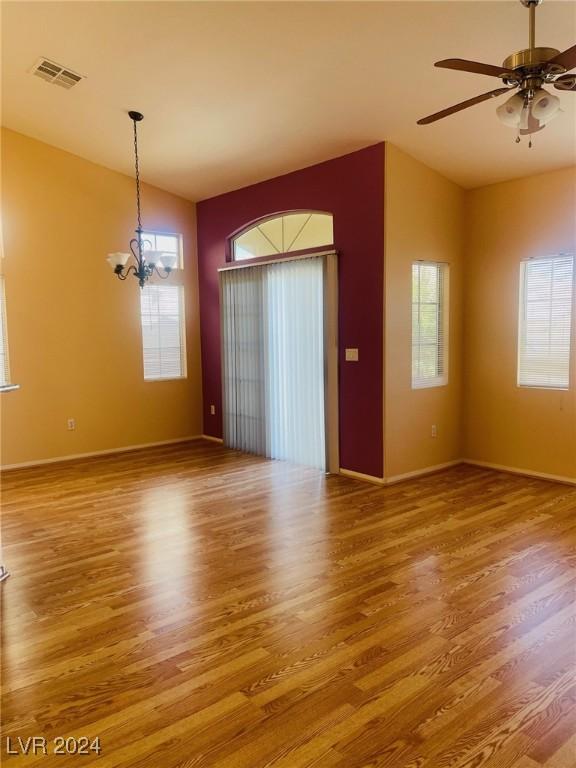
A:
x,y
288,384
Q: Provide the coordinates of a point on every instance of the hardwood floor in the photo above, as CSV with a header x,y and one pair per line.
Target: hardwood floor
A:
x,y
193,607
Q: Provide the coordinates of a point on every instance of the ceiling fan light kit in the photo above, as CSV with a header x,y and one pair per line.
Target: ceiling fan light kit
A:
x,y
532,107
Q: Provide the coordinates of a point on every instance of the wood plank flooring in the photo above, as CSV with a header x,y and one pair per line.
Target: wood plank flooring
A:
x,y
194,607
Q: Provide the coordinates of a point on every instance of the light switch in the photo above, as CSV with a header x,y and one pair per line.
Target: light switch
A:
x,y
351,355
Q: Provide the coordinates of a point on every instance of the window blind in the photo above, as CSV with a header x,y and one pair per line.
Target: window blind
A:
x,y
429,324
162,317
546,300
4,363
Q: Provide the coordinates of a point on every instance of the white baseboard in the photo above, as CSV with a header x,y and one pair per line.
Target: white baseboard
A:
x,y
212,439
448,464
361,476
398,478
525,472
424,471
381,481
123,449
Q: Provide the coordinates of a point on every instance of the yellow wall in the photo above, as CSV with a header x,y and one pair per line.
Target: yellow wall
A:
x,y
530,429
74,329
423,220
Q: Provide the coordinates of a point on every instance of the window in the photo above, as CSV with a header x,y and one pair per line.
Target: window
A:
x,y
284,234
4,363
545,317
162,316
429,324
165,243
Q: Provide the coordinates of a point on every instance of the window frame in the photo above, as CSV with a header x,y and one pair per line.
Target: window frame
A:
x,y
176,280
522,308
443,318
5,372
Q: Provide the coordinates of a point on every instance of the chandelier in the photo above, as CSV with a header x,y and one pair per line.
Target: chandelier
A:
x,y
147,260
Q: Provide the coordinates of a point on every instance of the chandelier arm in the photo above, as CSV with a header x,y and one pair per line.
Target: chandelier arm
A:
x,y
160,275
125,272
136,248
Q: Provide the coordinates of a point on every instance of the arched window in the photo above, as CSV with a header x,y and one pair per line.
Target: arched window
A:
x,y
284,234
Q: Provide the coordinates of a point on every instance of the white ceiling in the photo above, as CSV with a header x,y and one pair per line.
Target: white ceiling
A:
x,y
237,92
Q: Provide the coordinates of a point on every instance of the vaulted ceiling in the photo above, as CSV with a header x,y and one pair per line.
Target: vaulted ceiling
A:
x,y
236,92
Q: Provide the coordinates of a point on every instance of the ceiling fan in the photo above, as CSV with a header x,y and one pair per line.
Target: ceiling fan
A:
x,y
525,72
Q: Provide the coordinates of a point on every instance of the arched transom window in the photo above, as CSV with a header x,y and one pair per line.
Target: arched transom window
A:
x,y
284,234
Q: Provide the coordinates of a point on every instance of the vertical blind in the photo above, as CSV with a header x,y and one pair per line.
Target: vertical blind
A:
x,y
273,360
4,363
244,374
429,324
546,300
295,362
162,319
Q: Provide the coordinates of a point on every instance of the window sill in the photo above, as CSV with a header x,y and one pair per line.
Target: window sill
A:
x,y
9,387
430,384
543,386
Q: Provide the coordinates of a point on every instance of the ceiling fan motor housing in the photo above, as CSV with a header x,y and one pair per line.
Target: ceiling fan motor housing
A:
x,y
534,57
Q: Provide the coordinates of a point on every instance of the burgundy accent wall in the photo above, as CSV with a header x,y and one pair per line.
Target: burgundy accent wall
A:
x,y
352,189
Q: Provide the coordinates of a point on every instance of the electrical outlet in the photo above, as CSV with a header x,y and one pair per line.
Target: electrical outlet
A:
x,y
212,410
351,355
71,424
434,431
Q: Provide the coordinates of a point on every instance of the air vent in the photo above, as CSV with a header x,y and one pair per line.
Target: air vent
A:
x,y
55,73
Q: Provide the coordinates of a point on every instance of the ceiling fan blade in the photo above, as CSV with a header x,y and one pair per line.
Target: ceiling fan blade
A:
x,y
566,59
474,66
565,83
462,105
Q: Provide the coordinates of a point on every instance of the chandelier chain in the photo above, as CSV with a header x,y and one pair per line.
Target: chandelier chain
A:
x,y
137,177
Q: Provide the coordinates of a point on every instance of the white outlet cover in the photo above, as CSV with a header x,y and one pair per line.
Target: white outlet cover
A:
x,y
351,355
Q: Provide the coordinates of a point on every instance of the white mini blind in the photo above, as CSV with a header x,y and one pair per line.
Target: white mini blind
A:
x,y
546,301
162,317
429,324
4,362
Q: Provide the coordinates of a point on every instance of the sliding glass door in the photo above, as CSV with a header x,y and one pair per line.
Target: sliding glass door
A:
x,y
274,359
